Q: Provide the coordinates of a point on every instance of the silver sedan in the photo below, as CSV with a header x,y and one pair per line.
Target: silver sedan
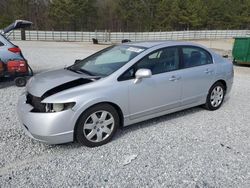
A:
x,y
119,86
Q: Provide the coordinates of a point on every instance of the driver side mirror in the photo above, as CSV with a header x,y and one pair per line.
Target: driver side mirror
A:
x,y
142,73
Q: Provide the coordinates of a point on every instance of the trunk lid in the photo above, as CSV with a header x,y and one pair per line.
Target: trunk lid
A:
x,y
18,24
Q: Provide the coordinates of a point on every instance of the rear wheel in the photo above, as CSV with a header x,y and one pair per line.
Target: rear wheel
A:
x,y
97,125
235,62
20,81
215,96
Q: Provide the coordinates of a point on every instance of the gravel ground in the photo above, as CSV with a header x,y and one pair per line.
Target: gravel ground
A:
x,y
191,148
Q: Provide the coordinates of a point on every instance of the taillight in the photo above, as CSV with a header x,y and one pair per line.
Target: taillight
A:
x,y
15,50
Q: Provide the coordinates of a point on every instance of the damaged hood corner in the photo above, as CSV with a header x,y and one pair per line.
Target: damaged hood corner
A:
x,y
52,82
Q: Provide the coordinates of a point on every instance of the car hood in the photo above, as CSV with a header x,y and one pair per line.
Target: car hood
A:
x,y
52,82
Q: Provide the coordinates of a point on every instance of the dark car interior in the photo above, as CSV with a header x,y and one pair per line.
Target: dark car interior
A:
x,y
195,57
167,60
164,61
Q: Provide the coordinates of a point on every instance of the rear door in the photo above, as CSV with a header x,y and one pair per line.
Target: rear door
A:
x,y
198,73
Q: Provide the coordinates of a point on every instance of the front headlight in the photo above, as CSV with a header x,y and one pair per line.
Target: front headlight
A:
x,y
58,107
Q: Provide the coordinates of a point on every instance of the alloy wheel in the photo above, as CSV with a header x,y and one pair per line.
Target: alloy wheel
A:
x,y
98,126
217,96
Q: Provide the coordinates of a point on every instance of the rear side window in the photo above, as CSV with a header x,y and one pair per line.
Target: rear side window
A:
x,y
1,44
193,56
5,41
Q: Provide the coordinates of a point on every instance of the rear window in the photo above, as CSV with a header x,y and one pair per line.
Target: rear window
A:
x,y
4,40
194,56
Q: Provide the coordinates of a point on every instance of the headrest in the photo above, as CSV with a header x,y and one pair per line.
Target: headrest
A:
x,y
195,54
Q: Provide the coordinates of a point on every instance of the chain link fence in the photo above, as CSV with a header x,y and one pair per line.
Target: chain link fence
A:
x,y
113,37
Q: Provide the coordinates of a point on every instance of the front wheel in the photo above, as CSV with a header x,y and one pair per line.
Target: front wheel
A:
x,y
97,125
215,96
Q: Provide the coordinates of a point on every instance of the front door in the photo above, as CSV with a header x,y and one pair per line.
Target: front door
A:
x,y
160,92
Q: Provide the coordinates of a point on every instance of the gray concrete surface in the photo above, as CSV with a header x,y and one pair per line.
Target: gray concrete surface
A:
x,y
191,148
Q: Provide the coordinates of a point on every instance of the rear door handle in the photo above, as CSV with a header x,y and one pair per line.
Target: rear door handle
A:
x,y
174,78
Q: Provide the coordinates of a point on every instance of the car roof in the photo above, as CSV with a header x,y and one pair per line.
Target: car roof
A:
x,y
150,44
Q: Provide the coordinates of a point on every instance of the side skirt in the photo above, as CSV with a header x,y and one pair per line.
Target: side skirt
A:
x,y
128,121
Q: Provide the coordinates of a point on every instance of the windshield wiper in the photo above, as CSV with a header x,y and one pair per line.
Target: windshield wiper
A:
x,y
87,72
73,70
91,76
80,71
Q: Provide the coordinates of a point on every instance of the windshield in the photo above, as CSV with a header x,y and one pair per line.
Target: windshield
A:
x,y
107,61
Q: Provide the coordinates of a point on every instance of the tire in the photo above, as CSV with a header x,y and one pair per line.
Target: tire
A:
x,y
20,81
97,125
215,96
235,62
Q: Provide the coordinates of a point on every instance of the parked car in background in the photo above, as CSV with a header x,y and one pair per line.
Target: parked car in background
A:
x,y
12,62
119,86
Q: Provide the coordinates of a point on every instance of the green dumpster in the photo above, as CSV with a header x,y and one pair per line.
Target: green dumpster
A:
x,y
241,50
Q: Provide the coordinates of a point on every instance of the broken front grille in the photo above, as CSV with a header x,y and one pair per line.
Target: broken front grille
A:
x,y
36,103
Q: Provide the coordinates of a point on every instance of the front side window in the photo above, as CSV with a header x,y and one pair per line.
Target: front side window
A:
x,y
193,56
107,61
163,60
160,61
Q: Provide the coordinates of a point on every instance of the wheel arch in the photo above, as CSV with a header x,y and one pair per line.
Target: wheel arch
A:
x,y
223,82
117,108
119,111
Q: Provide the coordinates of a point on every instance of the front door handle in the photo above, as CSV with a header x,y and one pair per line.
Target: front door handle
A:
x,y
208,71
174,78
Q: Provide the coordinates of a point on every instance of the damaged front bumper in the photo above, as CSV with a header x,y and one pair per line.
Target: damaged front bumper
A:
x,y
51,128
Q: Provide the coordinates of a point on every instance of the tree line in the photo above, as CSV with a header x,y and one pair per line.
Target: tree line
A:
x,y
128,15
